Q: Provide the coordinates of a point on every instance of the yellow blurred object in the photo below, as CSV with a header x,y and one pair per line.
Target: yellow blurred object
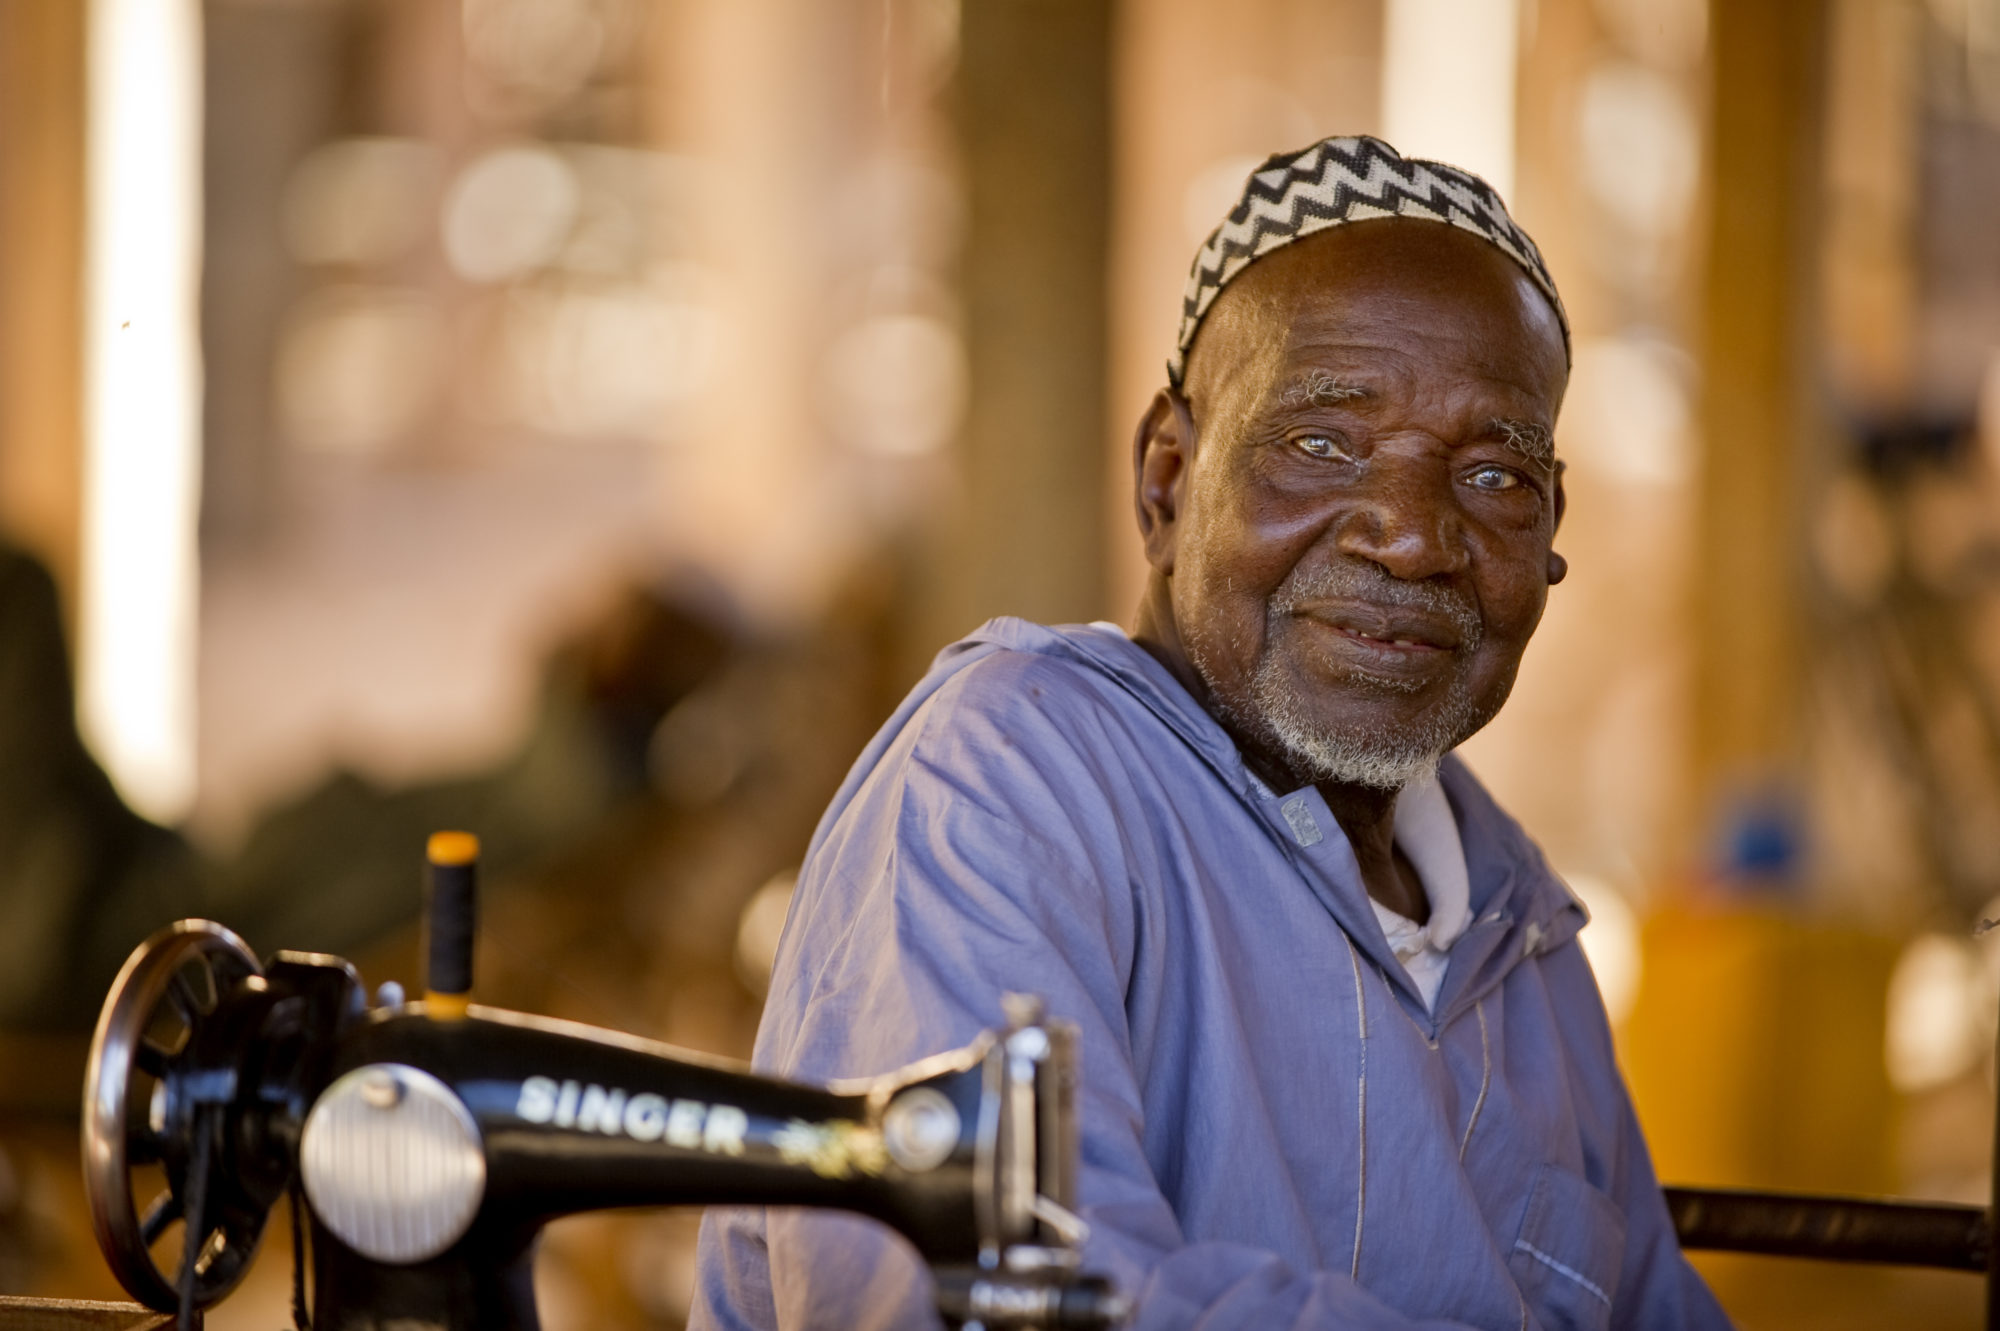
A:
x,y
452,848
1754,1051
1754,1056
446,1007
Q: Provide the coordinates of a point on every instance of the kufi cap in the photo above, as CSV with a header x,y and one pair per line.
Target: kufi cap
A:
x,y
1344,180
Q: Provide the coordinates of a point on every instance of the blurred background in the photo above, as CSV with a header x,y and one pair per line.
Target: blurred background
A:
x,y
578,421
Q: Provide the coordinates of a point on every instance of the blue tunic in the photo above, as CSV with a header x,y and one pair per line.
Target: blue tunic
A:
x,y
1275,1132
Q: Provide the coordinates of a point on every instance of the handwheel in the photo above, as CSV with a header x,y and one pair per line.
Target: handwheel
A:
x,y
147,1102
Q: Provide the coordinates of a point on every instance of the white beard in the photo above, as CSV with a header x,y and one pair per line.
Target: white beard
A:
x,y
1382,760
1276,712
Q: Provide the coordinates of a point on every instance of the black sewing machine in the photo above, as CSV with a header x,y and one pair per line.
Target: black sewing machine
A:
x,y
428,1142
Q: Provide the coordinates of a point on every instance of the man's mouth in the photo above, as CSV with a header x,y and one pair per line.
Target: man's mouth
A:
x,y
1407,644
1396,628
1389,650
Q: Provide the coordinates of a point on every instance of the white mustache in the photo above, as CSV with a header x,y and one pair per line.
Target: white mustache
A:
x,y
1360,580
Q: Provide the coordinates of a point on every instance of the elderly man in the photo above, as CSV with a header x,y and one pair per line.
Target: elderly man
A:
x,y
1343,1063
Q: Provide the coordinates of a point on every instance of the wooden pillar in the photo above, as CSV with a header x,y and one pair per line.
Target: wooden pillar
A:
x,y
1756,415
41,281
270,95
1874,189
1035,80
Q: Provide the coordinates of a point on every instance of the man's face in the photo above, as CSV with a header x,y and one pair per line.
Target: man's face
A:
x,y
1359,549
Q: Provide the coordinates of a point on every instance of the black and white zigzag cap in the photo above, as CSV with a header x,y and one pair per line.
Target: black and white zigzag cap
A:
x,y
1333,182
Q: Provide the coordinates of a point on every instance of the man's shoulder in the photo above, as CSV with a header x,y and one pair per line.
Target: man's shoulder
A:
x,y
1502,857
1020,681
1481,816
1064,728
1020,684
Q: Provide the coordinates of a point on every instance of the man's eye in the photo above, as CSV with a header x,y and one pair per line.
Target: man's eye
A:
x,y
1320,446
1493,478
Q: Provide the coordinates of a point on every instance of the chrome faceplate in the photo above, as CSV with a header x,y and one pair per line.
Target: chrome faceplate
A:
x,y
393,1163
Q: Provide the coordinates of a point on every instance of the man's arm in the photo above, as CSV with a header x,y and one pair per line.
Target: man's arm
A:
x,y
1657,1288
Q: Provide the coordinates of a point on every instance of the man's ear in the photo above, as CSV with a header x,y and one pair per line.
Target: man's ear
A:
x,y
1558,566
1162,460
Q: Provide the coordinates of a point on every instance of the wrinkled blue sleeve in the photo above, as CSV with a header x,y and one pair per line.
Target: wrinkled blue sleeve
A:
x,y
976,859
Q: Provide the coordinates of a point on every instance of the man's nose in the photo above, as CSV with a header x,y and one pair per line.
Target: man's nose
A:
x,y
1402,518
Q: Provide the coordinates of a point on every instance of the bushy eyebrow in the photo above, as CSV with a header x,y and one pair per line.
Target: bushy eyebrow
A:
x,y
1533,441
1317,388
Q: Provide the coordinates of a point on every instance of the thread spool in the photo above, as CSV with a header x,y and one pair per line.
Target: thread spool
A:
x,y
451,921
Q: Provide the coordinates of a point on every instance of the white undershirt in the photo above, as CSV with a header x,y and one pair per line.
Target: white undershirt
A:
x,y
1427,833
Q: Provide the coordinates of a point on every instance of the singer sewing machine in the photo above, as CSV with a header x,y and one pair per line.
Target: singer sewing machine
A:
x,y
428,1142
